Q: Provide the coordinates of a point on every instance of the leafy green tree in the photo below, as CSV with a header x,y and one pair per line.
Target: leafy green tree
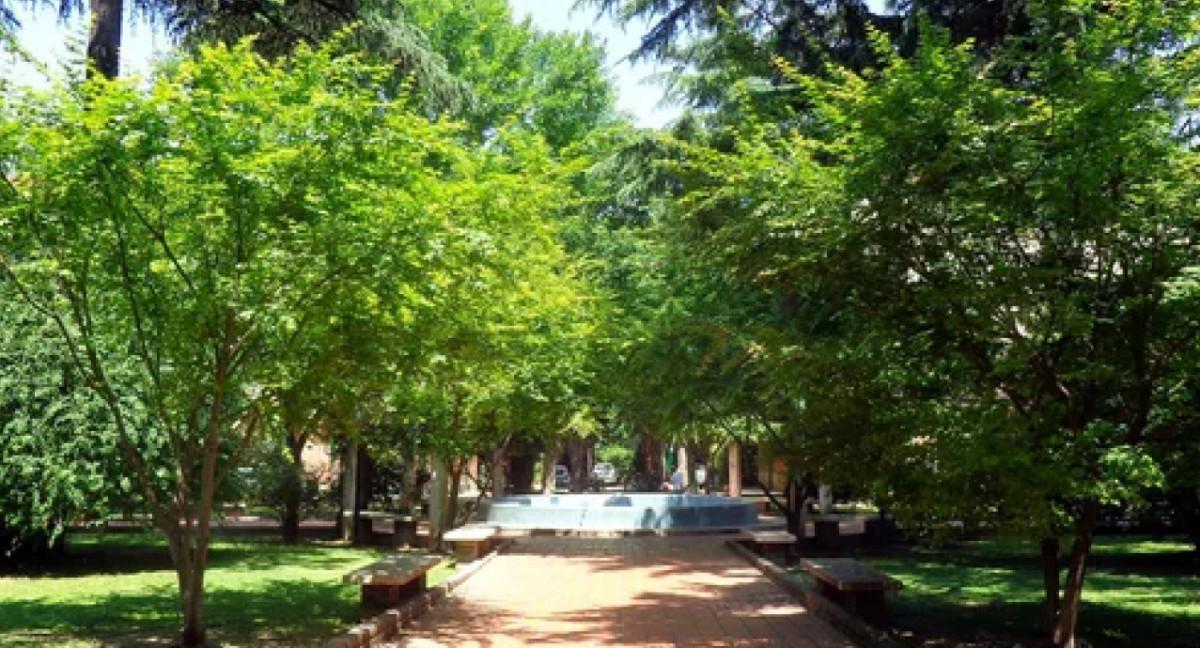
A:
x,y
1014,265
175,235
381,30
552,84
56,439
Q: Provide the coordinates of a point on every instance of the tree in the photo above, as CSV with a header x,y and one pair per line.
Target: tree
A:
x,y
712,45
552,84
217,212
59,462
380,30
1014,263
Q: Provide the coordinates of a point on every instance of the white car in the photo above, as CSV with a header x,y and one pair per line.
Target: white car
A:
x,y
604,472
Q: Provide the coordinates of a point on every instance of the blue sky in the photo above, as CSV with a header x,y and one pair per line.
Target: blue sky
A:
x,y
45,37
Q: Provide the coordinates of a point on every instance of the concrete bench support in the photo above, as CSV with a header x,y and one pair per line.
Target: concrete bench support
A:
x,y
854,585
827,533
391,581
471,542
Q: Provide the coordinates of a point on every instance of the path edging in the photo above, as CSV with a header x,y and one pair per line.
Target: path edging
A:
x,y
387,624
854,628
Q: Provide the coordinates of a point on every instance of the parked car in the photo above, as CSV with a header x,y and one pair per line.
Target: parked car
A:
x,y
562,477
605,473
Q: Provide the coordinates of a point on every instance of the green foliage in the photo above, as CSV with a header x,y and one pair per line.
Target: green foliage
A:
x,y
56,438
620,456
998,255
713,47
269,479
551,84
243,243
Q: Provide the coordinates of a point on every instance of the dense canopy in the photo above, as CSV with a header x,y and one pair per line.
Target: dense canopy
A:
x,y
946,255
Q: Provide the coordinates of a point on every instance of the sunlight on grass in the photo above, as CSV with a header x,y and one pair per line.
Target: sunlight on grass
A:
x,y
123,592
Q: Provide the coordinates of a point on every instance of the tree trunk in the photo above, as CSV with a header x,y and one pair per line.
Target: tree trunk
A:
x,y
1068,617
549,460
577,448
521,459
438,502
649,461
499,472
735,468
794,514
190,542
194,633
104,38
293,489
1050,581
457,467
348,515
364,474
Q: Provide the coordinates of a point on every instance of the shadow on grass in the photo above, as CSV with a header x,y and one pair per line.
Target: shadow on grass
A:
x,y
1137,593
1110,554
295,612
938,622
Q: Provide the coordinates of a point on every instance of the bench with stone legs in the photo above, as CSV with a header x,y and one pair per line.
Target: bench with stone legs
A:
x,y
854,585
472,541
389,582
768,542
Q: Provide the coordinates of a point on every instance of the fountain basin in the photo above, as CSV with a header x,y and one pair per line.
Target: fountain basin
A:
x,y
619,512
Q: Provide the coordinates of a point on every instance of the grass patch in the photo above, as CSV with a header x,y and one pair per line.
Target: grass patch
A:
x,y
120,590
1139,592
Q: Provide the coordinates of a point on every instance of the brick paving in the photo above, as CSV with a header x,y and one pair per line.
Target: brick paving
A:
x,y
647,591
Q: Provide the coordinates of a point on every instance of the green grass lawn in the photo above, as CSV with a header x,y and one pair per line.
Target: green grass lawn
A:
x,y
120,590
1138,592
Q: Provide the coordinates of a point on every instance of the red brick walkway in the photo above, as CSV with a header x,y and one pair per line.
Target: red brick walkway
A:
x,y
662,592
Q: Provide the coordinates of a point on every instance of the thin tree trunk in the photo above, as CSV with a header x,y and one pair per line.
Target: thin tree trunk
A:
x,y
735,468
794,511
1050,581
499,471
104,38
1068,617
194,632
348,510
364,473
439,484
549,460
457,467
294,488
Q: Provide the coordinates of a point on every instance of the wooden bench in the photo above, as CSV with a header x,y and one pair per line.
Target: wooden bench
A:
x,y
854,585
387,583
769,542
471,542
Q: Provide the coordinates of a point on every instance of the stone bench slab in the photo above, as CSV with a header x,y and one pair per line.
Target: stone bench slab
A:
x,y
470,534
397,569
849,575
770,536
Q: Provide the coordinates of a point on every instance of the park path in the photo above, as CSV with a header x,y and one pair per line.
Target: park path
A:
x,y
681,592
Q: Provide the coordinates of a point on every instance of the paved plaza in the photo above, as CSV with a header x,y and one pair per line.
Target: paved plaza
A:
x,y
681,592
